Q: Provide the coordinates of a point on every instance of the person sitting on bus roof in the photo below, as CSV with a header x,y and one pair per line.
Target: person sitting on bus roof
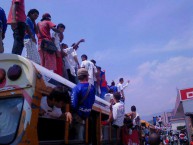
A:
x,y
51,105
83,95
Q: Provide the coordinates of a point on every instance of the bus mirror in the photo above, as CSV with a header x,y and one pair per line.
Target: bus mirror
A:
x,y
2,75
14,72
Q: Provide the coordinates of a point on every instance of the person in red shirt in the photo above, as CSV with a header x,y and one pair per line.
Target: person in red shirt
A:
x,y
47,60
17,20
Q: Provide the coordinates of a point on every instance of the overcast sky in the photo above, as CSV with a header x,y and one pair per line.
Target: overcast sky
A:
x,y
148,42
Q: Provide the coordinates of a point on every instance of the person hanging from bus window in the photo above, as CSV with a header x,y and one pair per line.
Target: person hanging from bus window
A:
x,y
30,42
44,26
3,28
121,87
16,19
89,66
51,105
136,125
82,100
57,39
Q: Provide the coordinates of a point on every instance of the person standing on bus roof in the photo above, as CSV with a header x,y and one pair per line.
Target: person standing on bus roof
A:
x,y
47,60
89,66
57,39
3,28
113,87
82,100
121,87
83,95
29,39
17,20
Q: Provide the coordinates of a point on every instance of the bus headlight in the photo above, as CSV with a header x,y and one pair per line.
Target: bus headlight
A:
x,y
14,72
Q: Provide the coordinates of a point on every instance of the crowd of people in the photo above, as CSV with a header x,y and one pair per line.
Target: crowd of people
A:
x,y
49,50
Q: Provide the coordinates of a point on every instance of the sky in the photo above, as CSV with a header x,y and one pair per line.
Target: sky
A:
x,y
147,42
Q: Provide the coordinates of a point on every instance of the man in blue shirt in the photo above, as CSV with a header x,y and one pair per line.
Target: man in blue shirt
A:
x,y
82,100
3,28
83,95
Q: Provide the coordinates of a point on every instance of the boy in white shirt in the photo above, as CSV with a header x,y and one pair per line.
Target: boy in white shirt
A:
x,y
121,87
71,60
89,66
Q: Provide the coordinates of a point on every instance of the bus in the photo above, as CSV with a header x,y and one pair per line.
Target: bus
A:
x,y
22,85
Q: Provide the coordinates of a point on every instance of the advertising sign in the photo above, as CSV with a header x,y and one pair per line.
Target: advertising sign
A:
x,y
186,94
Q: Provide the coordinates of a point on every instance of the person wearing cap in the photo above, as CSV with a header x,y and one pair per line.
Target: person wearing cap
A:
x,y
16,19
79,92
44,26
82,100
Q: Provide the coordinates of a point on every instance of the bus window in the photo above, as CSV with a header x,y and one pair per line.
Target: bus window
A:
x,y
10,112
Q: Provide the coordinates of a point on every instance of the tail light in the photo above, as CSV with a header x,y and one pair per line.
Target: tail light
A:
x,y
14,72
2,75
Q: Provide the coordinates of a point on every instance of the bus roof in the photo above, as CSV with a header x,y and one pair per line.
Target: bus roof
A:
x,y
50,78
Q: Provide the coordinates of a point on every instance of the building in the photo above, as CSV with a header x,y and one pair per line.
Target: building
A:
x,y
184,108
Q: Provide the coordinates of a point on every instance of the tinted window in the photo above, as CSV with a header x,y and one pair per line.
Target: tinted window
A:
x,y
10,112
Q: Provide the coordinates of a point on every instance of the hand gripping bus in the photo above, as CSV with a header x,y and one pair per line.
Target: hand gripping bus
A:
x,y
22,85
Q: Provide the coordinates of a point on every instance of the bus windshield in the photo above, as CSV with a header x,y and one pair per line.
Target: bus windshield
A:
x,y
10,112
